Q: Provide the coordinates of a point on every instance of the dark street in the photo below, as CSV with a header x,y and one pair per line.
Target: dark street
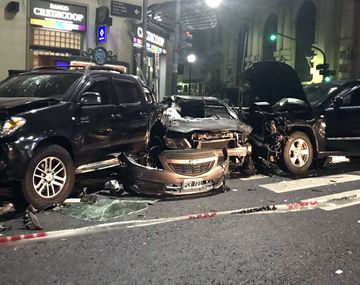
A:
x,y
299,247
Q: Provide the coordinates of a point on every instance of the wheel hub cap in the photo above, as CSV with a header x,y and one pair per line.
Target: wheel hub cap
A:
x,y
49,177
299,153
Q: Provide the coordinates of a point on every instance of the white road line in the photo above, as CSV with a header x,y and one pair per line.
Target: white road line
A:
x,y
338,200
305,183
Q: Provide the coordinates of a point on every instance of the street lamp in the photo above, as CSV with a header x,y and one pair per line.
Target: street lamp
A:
x,y
191,58
213,3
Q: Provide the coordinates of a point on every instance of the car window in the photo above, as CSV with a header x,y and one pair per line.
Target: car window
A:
x,y
126,92
38,85
105,89
352,99
318,93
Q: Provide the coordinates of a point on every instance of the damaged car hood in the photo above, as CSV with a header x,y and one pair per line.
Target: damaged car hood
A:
x,y
271,81
207,124
21,104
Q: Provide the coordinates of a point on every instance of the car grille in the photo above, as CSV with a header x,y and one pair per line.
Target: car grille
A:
x,y
192,169
218,144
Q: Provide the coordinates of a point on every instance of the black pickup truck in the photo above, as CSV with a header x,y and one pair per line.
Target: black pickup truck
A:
x,y
56,122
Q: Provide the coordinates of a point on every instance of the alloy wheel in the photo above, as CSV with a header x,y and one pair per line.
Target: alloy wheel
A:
x,y
49,177
299,153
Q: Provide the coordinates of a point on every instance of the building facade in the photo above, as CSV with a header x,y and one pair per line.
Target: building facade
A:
x,y
304,29
44,33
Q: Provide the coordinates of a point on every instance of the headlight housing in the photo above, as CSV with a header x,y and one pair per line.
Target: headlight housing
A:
x,y
175,143
11,125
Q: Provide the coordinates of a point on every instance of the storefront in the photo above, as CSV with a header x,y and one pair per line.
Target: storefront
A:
x,y
156,60
56,32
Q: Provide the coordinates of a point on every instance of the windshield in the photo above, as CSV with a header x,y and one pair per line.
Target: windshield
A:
x,y
205,109
38,85
318,93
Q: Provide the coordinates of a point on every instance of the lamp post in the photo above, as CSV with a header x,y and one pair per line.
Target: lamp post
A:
x,y
191,58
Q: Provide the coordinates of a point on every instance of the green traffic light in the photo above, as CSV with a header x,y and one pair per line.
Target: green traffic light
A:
x,y
327,79
273,37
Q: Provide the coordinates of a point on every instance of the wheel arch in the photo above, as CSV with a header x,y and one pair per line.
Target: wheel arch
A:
x,y
57,140
310,133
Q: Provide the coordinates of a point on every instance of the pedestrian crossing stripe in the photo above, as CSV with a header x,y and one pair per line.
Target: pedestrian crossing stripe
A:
x,y
306,183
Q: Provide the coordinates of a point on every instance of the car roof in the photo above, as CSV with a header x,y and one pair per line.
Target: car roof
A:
x,y
91,71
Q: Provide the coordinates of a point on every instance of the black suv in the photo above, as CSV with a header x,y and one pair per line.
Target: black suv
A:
x,y
55,123
298,126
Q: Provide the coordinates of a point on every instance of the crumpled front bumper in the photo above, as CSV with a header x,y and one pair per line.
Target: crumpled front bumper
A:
x,y
184,172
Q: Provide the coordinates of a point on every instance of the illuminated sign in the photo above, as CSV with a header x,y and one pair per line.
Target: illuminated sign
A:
x,y
57,15
150,47
151,37
101,34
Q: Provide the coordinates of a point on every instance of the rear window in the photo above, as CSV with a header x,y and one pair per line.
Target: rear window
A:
x,y
38,85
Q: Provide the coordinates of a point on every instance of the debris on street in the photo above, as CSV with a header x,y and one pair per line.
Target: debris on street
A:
x,y
339,271
7,208
31,222
105,208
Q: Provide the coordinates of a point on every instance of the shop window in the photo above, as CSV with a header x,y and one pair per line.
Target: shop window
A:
x,y
44,39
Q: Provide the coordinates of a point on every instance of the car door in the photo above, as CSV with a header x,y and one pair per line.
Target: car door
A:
x,y
131,116
343,122
96,121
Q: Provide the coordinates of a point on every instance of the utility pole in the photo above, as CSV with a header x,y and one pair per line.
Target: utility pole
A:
x,y
176,49
144,48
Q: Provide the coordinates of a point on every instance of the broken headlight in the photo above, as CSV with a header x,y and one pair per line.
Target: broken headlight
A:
x,y
11,125
174,143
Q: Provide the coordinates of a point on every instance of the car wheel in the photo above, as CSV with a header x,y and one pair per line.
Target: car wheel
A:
x,y
49,177
298,153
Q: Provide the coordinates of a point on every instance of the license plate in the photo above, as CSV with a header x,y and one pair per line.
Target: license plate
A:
x,y
192,184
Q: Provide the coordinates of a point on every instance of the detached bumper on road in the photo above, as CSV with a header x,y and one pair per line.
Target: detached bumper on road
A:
x,y
184,172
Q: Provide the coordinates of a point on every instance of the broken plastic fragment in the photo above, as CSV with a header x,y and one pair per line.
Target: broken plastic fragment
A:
x,y
7,208
339,271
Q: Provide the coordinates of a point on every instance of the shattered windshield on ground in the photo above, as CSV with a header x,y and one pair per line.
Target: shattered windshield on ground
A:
x,y
40,85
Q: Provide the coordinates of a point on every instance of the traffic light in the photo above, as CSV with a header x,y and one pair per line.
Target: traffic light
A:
x,y
186,38
273,37
326,72
103,16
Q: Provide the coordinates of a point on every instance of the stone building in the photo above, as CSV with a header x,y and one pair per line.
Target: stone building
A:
x,y
244,27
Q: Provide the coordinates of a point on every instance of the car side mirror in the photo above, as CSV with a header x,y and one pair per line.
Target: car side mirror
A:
x,y
338,102
90,98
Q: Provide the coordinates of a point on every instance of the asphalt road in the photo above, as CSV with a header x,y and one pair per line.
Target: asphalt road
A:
x,y
296,247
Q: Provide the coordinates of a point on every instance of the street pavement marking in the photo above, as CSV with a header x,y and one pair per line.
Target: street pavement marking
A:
x,y
329,202
338,200
305,183
254,177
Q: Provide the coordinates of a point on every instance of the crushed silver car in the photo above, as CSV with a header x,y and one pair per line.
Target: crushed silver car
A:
x,y
180,172
202,123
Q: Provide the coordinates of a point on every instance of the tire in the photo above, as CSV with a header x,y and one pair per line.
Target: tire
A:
x,y
40,186
297,154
